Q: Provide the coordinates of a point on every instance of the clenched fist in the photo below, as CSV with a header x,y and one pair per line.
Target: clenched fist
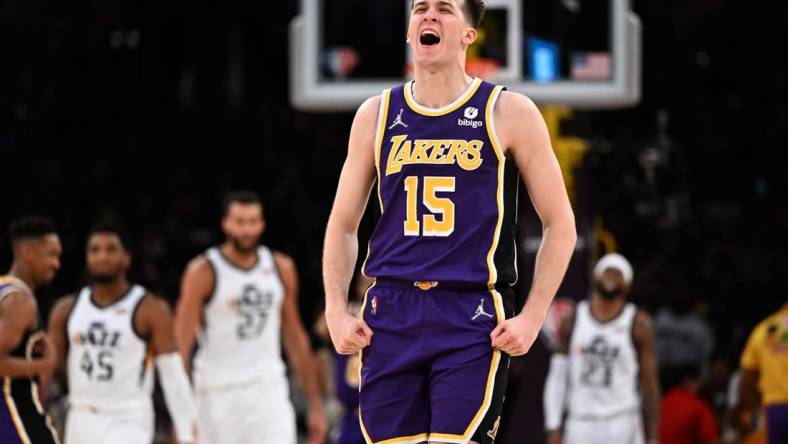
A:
x,y
348,334
516,335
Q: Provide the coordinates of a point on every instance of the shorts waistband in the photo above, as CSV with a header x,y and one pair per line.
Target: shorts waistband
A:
x,y
202,388
132,408
614,415
437,285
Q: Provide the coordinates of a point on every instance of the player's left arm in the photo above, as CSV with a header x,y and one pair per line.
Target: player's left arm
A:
x,y
643,335
154,320
299,351
524,138
749,398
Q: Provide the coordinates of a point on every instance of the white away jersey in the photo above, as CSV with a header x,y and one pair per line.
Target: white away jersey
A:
x,y
240,339
109,363
603,365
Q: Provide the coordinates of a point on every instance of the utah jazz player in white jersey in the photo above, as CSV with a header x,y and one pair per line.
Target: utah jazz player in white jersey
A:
x,y
605,365
235,299
108,336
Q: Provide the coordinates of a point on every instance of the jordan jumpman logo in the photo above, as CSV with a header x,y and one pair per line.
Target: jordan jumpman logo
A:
x,y
398,120
480,311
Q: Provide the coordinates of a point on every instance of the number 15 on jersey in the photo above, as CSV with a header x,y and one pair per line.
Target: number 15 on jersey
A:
x,y
431,225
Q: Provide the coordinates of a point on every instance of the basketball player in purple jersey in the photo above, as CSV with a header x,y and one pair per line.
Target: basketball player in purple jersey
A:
x,y
27,354
437,326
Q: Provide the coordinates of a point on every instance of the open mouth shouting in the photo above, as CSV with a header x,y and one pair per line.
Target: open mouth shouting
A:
x,y
429,37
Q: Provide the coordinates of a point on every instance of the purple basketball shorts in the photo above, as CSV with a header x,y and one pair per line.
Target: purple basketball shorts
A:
x,y
777,423
430,372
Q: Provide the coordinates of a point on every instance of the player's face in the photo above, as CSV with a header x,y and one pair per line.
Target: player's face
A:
x,y
243,225
106,258
438,31
43,257
611,284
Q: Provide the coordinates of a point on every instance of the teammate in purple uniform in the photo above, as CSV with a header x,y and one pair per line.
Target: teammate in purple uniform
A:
x,y
27,354
437,325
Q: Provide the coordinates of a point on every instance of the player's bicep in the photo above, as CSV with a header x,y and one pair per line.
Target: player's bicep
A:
x,y
9,335
18,315
196,286
644,340
291,320
750,358
524,131
158,316
565,333
748,388
358,171
56,327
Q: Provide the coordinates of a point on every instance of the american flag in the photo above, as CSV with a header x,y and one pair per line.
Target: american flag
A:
x,y
591,66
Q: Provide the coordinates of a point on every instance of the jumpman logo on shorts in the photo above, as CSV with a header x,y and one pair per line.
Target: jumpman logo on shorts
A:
x,y
398,120
480,311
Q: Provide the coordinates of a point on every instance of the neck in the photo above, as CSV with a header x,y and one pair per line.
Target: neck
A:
x,y
20,272
240,258
110,292
605,310
439,87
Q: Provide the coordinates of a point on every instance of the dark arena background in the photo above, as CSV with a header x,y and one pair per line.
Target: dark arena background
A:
x,y
147,113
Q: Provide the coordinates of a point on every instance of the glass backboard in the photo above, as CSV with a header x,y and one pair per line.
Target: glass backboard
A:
x,y
564,52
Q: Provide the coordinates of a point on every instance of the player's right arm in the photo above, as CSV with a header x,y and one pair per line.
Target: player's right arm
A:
x,y
643,335
741,416
196,287
19,314
557,382
154,320
58,332
340,250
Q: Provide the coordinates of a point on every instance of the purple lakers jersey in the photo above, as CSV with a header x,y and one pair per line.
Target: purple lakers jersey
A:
x,y
446,192
22,416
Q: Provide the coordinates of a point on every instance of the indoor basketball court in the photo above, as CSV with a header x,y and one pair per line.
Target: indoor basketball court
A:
x,y
290,222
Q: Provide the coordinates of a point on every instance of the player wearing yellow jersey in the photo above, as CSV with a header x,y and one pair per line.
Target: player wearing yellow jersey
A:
x,y
764,369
